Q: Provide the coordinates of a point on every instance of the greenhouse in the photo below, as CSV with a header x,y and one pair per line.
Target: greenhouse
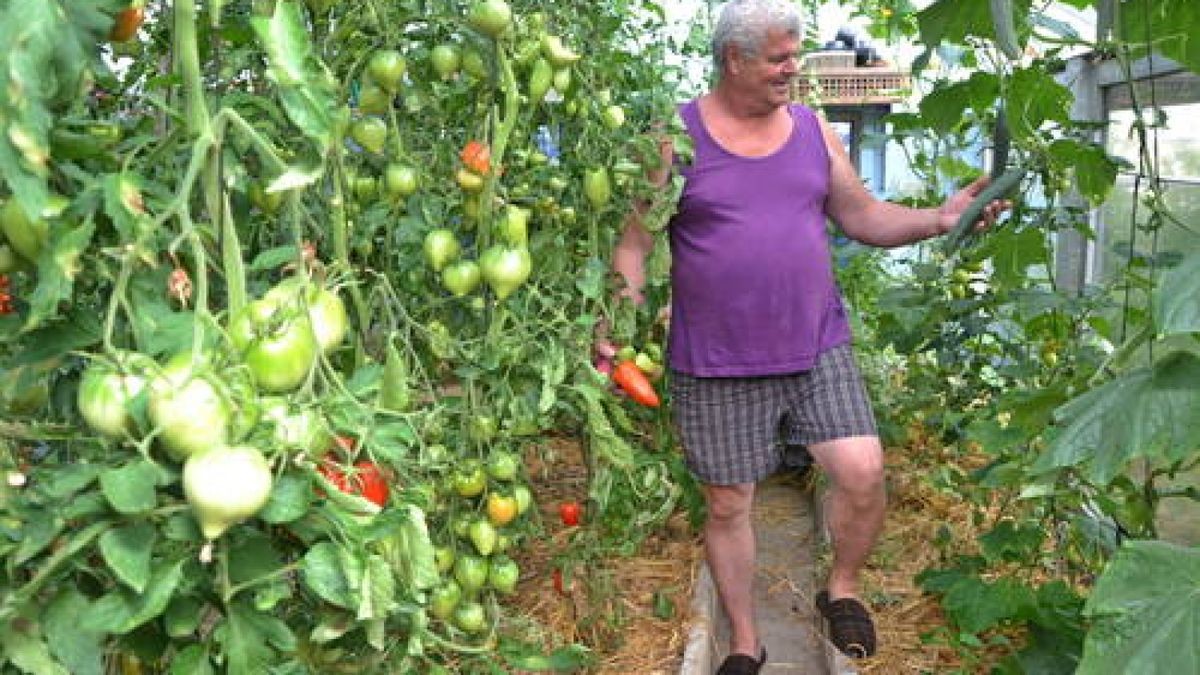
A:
x,y
504,336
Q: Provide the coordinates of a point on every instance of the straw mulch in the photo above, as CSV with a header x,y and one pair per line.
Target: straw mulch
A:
x,y
906,619
608,604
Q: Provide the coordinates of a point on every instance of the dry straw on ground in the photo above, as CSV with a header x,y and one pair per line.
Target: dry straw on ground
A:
x,y
609,606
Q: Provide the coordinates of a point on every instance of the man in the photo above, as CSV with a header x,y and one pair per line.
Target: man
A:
x,y
758,332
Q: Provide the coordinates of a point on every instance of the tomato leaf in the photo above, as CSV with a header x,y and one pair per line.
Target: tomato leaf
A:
x,y
122,610
57,268
253,557
131,488
290,497
160,329
192,660
1167,24
126,550
81,651
1145,608
377,589
304,83
274,258
44,49
24,648
248,637
323,574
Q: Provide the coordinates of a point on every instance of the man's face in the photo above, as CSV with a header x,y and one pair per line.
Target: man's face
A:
x,y
768,74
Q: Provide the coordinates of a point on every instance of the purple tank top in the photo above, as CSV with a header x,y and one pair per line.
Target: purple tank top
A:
x,y
753,291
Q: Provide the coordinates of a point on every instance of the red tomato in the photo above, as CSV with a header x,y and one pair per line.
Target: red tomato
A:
x,y
477,157
365,479
570,512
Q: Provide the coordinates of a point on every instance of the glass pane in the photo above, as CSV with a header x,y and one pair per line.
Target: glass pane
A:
x,y
1173,240
1175,144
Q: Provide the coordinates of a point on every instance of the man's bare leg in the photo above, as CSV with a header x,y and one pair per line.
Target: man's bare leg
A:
x,y
855,506
729,548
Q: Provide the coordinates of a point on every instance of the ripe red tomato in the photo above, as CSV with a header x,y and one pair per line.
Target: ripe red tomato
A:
x,y
365,479
570,512
477,157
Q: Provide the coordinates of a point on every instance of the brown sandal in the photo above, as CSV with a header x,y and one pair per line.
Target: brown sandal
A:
x,y
850,627
742,664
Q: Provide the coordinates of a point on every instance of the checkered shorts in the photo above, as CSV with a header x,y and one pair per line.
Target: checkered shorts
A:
x,y
732,427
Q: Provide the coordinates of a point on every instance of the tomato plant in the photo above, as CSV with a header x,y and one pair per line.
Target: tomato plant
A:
x,y
315,218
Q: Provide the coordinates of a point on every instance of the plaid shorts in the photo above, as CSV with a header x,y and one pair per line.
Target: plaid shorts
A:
x,y
733,428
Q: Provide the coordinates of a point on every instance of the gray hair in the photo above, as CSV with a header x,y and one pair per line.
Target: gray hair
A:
x,y
745,23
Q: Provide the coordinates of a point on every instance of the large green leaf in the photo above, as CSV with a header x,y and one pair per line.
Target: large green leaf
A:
x,y
1145,411
1146,612
1177,298
955,20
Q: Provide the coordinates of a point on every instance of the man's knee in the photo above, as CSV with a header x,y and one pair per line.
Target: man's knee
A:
x,y
729,503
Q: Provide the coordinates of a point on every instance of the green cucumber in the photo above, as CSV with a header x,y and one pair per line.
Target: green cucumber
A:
x,y
999,188
1001,143
1006,31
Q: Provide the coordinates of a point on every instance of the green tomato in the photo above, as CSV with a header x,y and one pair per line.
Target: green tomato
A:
x,y
462,277
107,391
277,344
503,574
483,535
441,248
613,116
444,557
514,225
326,311
400,180
374,100
482,428
557,53
226,485
524,497
469,480
490,17
29,235
505,269
470,571
470,617
502,465
596,187
296,429
370,133
474,65
446,59
386,68
444,598
190,409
